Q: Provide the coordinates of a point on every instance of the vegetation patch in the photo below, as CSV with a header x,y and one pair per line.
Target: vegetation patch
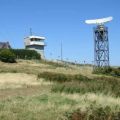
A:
x,y
7,56
26,54
108,71
54,64
93,113
81,84
59,94
39,107
59,77
103,85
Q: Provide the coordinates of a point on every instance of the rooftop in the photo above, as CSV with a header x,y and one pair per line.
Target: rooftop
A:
x,y
5,45
37,37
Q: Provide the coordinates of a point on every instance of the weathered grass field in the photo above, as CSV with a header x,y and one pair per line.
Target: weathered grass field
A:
x,y
32,90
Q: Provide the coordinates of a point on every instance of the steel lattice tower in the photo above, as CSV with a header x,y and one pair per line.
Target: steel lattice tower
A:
x,y
101,43
101,46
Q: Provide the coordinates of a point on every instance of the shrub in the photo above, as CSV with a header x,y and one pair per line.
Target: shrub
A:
x,y
55,64
26,54
103,70
60,77
100,85
56,77
94,113
115,72
7,56
107,71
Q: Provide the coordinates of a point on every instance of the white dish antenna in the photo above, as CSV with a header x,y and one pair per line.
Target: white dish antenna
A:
x,y
99,21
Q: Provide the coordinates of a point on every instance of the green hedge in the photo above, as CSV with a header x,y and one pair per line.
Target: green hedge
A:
x,y
7,56
21,54
26,54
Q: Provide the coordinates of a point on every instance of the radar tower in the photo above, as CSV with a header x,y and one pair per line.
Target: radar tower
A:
x,y
101,42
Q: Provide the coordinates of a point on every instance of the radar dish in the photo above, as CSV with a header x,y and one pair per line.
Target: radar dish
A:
x,y
99,21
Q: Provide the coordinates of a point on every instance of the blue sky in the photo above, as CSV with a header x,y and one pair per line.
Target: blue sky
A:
x,y
60,20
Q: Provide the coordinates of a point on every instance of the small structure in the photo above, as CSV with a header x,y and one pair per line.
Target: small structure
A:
x,y
35,43
5,45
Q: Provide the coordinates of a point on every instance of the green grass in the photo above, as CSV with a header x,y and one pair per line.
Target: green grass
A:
x,y
107,87
60,77
40,107
55,106
81,84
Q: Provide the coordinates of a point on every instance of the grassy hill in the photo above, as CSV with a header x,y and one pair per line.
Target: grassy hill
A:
x,y
39,90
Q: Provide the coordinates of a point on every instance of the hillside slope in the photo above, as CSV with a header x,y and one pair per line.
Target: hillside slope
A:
x,y
39,90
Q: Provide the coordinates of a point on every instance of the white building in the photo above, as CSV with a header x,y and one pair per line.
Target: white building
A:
x,y
35,43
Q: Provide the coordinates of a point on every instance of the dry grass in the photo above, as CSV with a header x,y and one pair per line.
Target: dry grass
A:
x,y
35,67
24,97
18,80
96,99
47,106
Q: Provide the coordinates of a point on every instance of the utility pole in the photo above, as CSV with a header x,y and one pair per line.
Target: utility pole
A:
x,y
61,52
31,32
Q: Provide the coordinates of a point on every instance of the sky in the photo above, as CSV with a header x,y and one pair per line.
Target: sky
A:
x,y
60,21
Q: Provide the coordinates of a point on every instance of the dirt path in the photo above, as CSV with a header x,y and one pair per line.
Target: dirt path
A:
x,y
21,84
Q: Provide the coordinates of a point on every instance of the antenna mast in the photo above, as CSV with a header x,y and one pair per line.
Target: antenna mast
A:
x,y
61,52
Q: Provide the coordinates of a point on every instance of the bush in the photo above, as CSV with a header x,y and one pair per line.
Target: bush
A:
x,y
56,77
26,54
107,71
7,56
102,70
99,85
55,64
60,77
94,113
